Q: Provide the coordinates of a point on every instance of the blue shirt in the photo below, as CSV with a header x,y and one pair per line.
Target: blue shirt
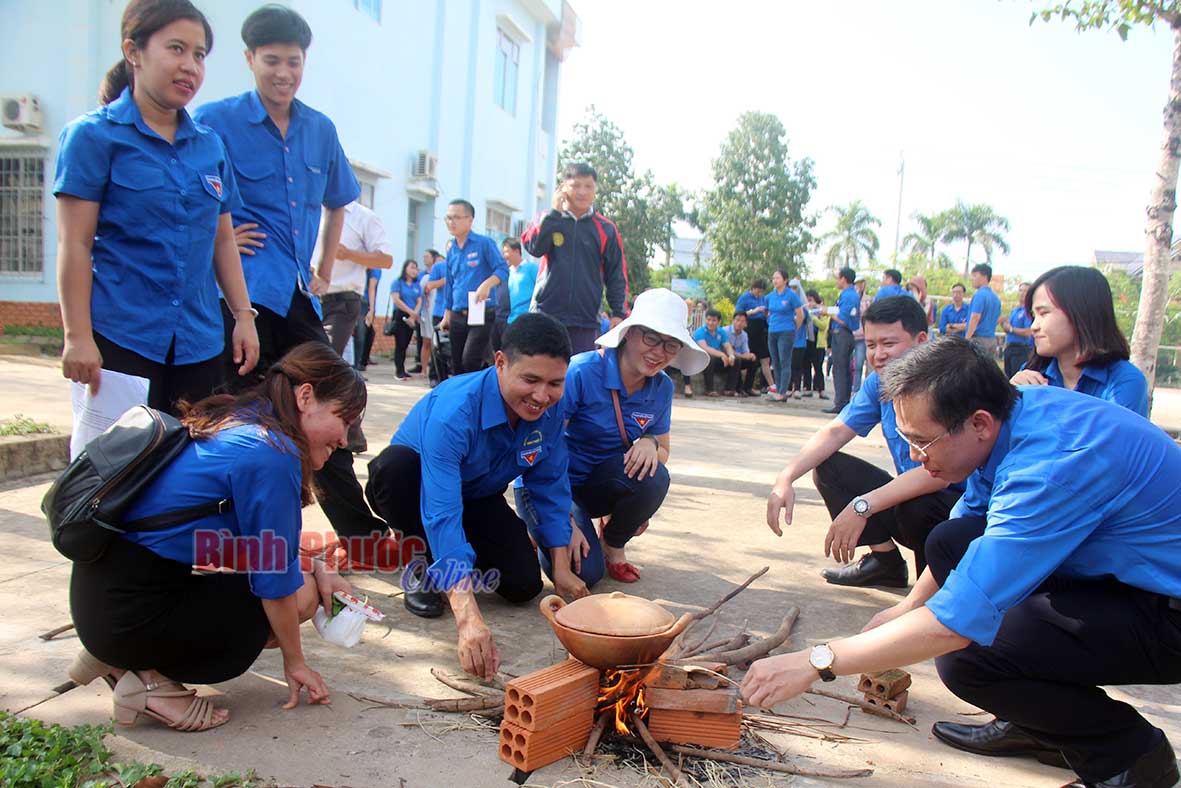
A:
x,y
438,272
284,181
849,309
950,314
737,339
986,304
470,265
748,301
520,288
371,275
885,291
1119,382
782,308
262,478
409,292
866,410
1061,499
1019,318
714,340
460,429
159,207
592,431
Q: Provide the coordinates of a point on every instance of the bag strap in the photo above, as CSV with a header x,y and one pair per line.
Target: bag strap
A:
x,y
619,419
159,522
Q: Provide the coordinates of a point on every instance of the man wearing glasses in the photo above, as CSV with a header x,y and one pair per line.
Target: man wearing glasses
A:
x,y
869,507
474,269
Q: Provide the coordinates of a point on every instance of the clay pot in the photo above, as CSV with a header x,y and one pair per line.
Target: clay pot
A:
x,y
609,630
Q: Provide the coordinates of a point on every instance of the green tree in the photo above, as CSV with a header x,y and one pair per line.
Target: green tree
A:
x,y
976,223
1120,16
643,210
924,241
755,216
852,237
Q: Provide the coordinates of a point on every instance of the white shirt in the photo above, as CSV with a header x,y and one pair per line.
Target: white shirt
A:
x,y
363,232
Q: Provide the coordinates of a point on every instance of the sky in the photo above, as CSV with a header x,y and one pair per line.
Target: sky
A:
x,y
1058,131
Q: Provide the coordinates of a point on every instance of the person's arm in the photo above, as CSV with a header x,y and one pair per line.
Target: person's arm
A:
x,y
365,259
973,324
615,277
841,540
799,316
701,343
824,443
728,352
371,286
77,221
844,313
227,269
943,322
499,275
396,294
548,483
538,240
333,224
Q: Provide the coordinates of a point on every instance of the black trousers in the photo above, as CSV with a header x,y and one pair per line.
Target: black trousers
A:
x,y
1054,649
338,491
136,610
757,330
715,367
470,345
493,529
169,382
814,367
842,367
402,334
734,374
1015,358
842,477
582,339
342,312
798,356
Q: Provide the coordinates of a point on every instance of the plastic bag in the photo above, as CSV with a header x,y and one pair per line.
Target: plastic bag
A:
x,y
342,629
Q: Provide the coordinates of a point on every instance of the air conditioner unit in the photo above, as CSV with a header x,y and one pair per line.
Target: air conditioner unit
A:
x,y
426,165
21,112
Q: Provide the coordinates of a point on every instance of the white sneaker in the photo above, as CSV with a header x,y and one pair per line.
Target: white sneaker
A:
x,y
772,389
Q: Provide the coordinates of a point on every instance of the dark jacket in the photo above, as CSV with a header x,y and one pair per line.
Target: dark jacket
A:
x,y
578,257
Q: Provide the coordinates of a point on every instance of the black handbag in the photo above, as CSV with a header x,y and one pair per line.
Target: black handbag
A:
x,y
86,506
389,327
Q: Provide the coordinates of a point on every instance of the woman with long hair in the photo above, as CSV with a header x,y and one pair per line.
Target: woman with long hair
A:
x,y
785,315
144,197
406,293
799,352
1077,343
147,622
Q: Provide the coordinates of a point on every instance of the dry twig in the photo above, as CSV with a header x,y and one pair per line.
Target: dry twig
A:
x,y
863,705
673,772
775,766
486,703
760,648
596,734
51,634
469,686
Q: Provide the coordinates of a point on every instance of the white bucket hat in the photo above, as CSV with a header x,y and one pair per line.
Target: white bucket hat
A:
x,y
663,311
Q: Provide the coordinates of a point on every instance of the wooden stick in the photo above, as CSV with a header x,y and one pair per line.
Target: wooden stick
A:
x,y
484,703
760,648
696,647
714,607
51,634
863,705
775,766
464,685
596,734
673,772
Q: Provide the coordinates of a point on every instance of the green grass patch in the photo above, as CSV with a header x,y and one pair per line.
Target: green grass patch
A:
x,y
57,332
21,424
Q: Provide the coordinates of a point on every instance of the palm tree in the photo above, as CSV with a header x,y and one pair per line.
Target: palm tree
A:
x,y
853,236
977,223
930,233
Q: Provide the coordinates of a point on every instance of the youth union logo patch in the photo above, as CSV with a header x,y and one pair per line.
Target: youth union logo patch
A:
x,y
642,419
530,456
215,182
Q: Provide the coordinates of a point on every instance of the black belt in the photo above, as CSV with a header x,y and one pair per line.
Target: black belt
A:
x,y
345,295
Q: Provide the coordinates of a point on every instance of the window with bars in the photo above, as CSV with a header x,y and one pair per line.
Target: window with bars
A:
x,y
22,218
498,224
371,8
504,77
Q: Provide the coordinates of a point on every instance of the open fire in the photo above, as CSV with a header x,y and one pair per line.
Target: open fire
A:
x,y
621,694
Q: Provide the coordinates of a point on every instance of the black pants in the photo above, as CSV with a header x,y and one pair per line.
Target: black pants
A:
x,y
338,491
469,344
135,610
734,374
798,354
342,312
402,334
492,528
842,372
582,339
496,336
715,367
814,367
842,477
168,382
757,331
1054,649
1015,358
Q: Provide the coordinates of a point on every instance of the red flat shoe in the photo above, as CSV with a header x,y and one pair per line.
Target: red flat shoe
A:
x,y
624,572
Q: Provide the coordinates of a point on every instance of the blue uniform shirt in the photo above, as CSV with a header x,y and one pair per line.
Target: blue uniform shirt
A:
x,y
988,306
467,267
1060,500
782,308
438,272
866,410
592,431
284,181
739,340
714,340
849,309
1119,382
889,290
748,301
409,292
521,281
460,429
264,482
1019,318
159,207
950,314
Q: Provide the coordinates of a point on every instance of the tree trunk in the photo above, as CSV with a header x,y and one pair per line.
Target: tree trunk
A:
x,y
1154,288
968,257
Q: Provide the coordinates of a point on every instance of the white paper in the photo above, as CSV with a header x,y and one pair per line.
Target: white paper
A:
x,y
93,413
834,310
475,310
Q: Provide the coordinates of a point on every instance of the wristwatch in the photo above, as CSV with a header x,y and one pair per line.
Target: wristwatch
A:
x,y
861,506
822,658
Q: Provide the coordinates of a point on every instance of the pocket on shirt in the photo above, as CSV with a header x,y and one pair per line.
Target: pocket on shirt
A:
x,y
136,174
252,171
317,181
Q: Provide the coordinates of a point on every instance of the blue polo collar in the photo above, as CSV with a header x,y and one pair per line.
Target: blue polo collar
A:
x,y
493,411
125,111
1000,449
1095,373
257,112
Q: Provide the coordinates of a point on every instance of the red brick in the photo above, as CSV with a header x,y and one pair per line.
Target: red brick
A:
x,y
546,696
696,727
528,750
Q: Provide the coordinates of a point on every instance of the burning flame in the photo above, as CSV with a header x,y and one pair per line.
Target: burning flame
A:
x,y
621,693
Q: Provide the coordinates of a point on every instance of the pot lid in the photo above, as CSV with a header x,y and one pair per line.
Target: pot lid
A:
x,y
615,614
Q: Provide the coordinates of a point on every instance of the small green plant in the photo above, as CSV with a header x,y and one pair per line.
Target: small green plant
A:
x,y
34,331
21,424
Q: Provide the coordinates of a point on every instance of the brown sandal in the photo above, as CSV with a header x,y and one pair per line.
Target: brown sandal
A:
x,y
87,668
131,700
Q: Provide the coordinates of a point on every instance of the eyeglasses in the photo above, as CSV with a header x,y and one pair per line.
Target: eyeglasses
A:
x,y
653,339
448,218
922,450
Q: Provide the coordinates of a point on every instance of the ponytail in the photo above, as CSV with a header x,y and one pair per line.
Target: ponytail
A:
x,y
118,78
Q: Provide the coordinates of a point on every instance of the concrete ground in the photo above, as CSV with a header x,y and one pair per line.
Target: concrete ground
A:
x,y
709,536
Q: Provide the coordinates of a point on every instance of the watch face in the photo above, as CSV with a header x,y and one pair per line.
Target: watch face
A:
x,y
861,506
821,656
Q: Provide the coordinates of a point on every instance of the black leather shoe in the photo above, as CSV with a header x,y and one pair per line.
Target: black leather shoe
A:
x,y
833,409
422,603
997,738
871,570
1156,768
